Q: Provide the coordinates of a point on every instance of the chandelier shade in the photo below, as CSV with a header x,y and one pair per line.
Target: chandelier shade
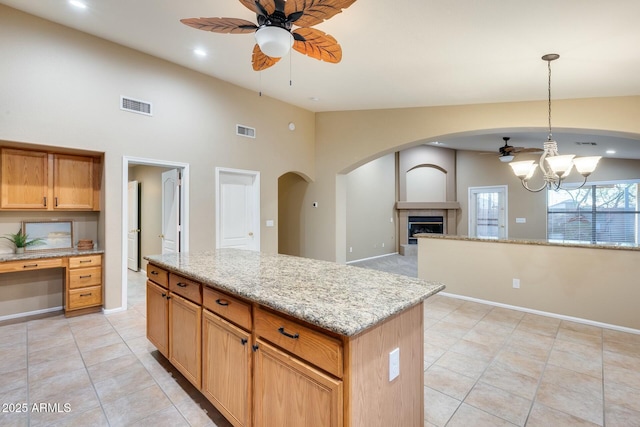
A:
x,y
274,41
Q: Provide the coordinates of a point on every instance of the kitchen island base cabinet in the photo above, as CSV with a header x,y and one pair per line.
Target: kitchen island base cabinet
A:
x,y
290,393
185,329
226,368
158,317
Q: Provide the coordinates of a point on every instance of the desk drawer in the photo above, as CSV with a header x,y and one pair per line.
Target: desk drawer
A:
x,y
158,275
228,307
185,288
83,277
321,350
85,261
26,265
85,297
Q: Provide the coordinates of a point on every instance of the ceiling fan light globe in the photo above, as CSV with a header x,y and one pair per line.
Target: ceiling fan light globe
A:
x,y
523,169
275,42
586,165
506,158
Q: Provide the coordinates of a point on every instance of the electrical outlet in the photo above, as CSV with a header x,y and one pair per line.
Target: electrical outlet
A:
x,y
516,283
394,364
350,249
383,244
391,219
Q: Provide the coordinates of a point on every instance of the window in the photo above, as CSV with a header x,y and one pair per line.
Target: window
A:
x,y
487,212
605,213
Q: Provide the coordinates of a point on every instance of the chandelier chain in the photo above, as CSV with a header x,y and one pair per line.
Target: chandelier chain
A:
x,y
549,92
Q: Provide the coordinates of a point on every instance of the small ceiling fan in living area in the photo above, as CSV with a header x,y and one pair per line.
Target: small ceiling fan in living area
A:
x,y
273,31
507,151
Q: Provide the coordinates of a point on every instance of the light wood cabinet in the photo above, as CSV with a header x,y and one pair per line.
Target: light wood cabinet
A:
x,y
84,282
36,180
226,368
291,393
158,317
185,338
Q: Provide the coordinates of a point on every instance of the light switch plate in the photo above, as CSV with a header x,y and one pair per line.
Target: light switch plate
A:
x,y
394,364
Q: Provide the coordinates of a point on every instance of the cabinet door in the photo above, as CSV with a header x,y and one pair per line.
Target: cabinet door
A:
x,y
290,393
158,317
185,328
25,179
72,182
226,361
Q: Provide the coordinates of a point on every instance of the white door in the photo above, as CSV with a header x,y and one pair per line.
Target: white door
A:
x,y
238,207
488,212
133,227
170,212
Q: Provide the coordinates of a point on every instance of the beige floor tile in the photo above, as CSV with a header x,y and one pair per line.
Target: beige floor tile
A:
x,y
13,380
200,413
140,345
93,417
620,416
11,336
572,380
520,361
135,406
583,405
63,382
627,348
169,417
110,368
439,339
611,358
624,376
587,339
87,321
499,402
92,331
534,325
56,329
13,358
487,337
51,341
14,419
93,342
579,362
67,403
463,364
40,371
135,330
468,416
475,307
581,327
448,382
504,377
451,329
484,352
133,379
465,320
438,407
109,352
57,352
432,353
621,395
533,345
543,416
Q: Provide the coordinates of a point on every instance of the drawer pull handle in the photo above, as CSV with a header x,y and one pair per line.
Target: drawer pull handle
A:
x,y
84,260
86,295
56,202
222,302
288,335
155,273
164,295
29,265
182,285
45,201
86,277
243,341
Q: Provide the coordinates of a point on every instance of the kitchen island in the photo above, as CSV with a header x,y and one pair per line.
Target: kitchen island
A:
x,y
276,340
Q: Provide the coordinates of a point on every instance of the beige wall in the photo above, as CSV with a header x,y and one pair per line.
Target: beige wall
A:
x,y
347,139
587,283
426,155
63,90
291,226
371,218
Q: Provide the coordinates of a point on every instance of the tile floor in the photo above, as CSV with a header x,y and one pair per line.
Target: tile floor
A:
x,y
484,366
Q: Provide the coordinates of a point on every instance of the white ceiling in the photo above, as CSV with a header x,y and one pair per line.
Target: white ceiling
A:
x,y
402,53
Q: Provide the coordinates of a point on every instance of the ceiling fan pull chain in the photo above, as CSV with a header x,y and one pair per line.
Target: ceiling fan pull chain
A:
x,y
290,68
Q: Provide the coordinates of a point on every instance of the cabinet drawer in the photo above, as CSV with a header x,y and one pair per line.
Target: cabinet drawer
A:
x,y
26,265
84,297
85,261
321,350
227,306
185,287
158,275
83,277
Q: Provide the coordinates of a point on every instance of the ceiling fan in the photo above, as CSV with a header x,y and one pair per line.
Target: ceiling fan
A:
x,y
507,151
273,31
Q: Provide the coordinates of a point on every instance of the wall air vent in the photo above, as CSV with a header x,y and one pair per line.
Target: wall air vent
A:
x,y
245,131
585,143
135,106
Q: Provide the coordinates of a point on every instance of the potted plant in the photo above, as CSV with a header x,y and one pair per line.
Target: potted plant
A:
x,y
21,240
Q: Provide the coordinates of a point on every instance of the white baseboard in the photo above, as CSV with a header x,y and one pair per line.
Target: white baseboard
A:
x,y
373,257
545,313
30,313
113,310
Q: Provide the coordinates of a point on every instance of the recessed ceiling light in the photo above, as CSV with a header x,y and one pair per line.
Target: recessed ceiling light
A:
x,y
314,99
78,4
610,151
199,52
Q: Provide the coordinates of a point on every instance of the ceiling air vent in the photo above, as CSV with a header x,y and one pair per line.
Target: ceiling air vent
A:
x,y
245,131
135,105
585,143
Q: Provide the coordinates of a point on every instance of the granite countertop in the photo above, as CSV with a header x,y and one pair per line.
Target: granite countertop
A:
x,y
542,242
340,298
29,255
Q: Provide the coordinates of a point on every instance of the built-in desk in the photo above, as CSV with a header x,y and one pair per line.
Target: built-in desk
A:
x,y
82,275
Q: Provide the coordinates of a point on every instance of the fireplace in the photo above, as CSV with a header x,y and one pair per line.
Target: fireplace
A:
x,y
424,224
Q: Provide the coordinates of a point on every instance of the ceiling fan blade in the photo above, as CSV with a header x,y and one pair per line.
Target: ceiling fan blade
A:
x,y
317,44
261,61
527,150
315,11
221,25
264,7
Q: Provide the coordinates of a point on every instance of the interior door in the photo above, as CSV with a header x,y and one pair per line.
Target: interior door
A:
x,y
133,226
238,201
170,212
488,212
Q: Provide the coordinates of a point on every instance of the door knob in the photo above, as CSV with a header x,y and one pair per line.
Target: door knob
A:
x,y
161,236
137,230
251,233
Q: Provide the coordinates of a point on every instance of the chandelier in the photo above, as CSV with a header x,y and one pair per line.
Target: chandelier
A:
x,y
555,167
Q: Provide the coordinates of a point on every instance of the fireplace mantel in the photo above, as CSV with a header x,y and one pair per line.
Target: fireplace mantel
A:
x,y
427,205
